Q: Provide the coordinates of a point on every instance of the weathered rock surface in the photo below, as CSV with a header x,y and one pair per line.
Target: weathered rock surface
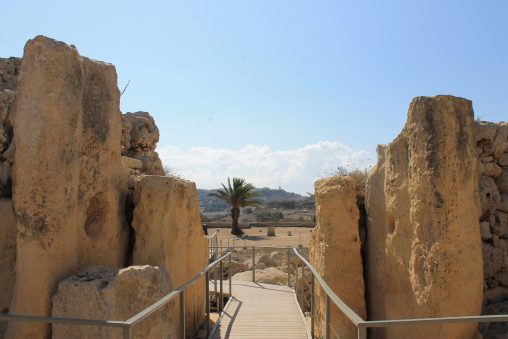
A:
x,y
489,195
169,235
493,259
503,205
335,251
485,230
423,236
492,138
502,181
503,160
139,139
69,189
7,98
492,147
108,293
150,160
9,71
7,257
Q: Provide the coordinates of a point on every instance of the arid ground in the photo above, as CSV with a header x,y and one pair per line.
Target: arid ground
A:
x,y
257,236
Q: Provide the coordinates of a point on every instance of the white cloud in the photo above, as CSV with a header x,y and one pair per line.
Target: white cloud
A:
x,y
295,170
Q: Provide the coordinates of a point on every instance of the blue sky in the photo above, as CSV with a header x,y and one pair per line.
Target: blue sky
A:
x,y
323,81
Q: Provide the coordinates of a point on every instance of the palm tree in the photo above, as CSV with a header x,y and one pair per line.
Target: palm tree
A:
x,y
241,194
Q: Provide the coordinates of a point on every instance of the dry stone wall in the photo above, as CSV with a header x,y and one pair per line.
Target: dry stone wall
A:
x,y
139,139
9,70
335,252
492,148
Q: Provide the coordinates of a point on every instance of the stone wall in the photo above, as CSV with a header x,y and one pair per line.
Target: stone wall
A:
x,y
492,147
7,257
139,139
335,252
9,70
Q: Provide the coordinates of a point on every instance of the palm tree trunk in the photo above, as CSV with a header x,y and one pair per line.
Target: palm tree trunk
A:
x,y
235,215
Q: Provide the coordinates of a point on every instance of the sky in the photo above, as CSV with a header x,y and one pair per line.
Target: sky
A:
x,y
279,92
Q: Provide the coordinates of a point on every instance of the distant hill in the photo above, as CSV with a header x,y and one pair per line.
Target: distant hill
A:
x,y
273,198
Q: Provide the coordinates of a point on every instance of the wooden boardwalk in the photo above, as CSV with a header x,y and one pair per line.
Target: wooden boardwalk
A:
x,y
259,311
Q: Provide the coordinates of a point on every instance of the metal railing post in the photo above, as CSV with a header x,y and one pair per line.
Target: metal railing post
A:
x,y
327,317
296,282
362,331
221,300
207,295
215,295
289,266
182,314
126,332
253,264
312,315
230,274
302,288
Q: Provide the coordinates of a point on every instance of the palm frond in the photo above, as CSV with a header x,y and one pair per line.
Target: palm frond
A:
x,y
240,194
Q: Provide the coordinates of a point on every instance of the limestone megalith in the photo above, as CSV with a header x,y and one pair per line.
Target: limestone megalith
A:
x,y
424,252
335,251
69,187
169,235
111,293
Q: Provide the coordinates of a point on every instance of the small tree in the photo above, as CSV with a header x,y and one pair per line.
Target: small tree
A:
x,y
241,194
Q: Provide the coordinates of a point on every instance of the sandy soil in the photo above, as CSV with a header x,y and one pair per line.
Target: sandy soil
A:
x,y
256,236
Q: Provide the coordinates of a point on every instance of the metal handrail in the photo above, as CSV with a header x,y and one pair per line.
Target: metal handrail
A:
x,y
59,320
362,325
127,324
348,312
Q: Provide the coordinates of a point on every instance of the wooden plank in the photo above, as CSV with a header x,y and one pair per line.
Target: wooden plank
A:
x,y
261,311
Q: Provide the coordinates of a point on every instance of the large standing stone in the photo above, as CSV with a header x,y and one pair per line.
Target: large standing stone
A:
x,y
7,257
113,294
169,234
423,240
335,252
67,176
